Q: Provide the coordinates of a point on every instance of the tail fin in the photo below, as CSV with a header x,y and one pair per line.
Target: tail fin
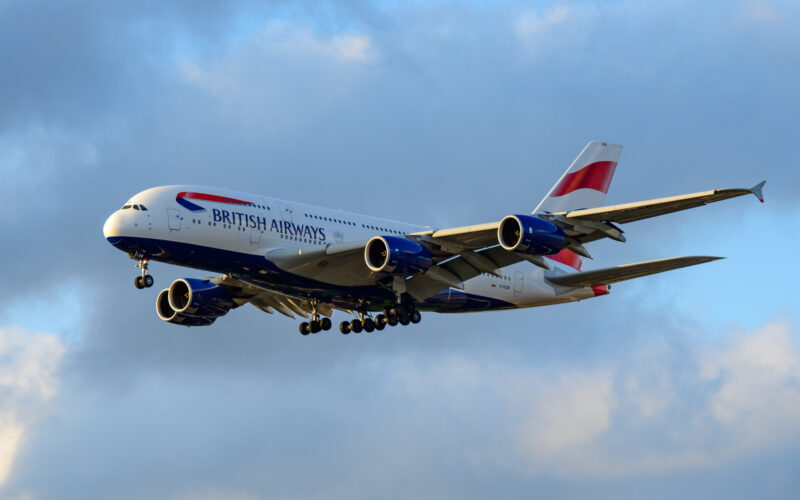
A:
x,y
585,183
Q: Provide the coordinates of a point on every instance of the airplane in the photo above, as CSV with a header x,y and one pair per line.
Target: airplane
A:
x,y
304,260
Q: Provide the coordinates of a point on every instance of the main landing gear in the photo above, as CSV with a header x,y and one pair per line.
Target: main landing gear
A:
x,y
145,280
403,314
316,324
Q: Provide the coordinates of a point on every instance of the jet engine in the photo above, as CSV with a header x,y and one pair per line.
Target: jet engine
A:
x,y
530,235
393,255
193,302
168,314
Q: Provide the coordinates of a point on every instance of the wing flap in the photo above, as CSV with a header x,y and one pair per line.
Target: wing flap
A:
x,y
609,275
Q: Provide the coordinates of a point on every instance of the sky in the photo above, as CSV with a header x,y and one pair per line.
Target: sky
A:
x,y
439,113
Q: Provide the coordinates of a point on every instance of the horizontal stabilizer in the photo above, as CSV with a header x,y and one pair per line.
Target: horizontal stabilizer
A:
x,y
625,272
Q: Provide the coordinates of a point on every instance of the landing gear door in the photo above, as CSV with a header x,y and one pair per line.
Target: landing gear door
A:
x,y
519,282
174,219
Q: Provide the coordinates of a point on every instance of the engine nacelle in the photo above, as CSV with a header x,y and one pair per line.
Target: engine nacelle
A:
x,y
193,297
393,255
168,314
530,235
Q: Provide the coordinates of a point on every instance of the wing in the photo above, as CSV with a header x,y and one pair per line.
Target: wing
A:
x,y
462,253
591,224
268,300
625,272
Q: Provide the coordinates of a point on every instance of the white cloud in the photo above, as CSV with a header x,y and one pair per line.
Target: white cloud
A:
x,y
758,398
566,413
273,77
28,363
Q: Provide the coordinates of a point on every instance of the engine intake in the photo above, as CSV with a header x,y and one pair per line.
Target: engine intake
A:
x,y
168,314
530,235
393,255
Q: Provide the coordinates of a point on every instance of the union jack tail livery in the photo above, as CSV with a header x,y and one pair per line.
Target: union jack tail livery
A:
x,y
586,182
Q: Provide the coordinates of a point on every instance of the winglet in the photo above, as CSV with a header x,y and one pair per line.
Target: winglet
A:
x,y
758,190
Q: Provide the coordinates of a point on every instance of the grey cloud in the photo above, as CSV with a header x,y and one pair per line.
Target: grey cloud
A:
x,y
451,120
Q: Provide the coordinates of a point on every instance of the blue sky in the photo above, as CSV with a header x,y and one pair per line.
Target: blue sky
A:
x,y
438,113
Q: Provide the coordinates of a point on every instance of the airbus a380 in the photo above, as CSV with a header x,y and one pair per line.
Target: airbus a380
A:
x,y
304,260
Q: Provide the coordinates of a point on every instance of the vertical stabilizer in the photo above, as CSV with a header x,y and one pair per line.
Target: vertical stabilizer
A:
x,y
585,183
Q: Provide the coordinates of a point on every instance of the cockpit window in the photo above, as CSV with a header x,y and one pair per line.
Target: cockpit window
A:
x,y
142,207
125,207
136,207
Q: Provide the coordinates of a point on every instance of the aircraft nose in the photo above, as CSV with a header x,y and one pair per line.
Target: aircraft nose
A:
x,y
111,229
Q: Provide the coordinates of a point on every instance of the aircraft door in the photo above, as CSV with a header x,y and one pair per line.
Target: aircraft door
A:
x,y
174,219
255,236
519,282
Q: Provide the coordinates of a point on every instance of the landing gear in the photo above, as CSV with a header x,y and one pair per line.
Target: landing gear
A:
x,y
404,313
145,280
316,324
369,325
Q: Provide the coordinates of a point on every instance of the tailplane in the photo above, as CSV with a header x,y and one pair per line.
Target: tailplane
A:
x,y
585,183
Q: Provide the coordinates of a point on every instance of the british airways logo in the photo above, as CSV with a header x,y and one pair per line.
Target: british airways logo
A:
x,y
279,226
183,199
248,220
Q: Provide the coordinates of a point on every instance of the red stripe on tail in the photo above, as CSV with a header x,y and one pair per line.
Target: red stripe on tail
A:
x,y
595,176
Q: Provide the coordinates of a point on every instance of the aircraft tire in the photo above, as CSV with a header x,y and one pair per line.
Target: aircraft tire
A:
x,y
380,322
356,326
404,319
148,281
416,317
344,327
326,324
304,330
392,320
138,282
314,326
369,325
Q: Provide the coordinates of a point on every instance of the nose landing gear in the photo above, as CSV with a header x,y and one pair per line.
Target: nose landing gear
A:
x,y
145,280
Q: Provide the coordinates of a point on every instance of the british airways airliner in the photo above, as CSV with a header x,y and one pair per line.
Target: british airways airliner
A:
x,y
304,260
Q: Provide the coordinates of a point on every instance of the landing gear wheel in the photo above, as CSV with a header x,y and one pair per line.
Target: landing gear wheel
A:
x,y
148,281
392,320
356,326
304,328
138,282
326,324
404,318
369,325
344,327
416,317
380,322
314,326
